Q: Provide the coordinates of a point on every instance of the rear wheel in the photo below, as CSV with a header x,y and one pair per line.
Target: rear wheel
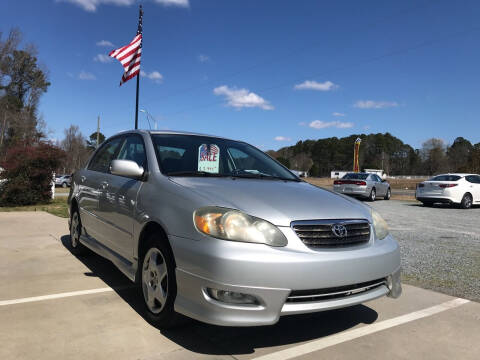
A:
x,y
427,203
159,285
467,201
373,195
76,247
388,194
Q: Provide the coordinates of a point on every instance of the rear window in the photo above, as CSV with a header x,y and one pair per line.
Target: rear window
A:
x,y
355,176
446,178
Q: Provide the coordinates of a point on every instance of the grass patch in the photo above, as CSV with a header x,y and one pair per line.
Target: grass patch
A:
x,y
57,207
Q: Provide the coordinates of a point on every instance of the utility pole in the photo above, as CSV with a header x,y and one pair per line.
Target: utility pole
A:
x,y
98,130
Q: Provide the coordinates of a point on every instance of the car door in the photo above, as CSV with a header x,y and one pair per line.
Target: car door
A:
x,y
118,201
379,185
473,184
90,183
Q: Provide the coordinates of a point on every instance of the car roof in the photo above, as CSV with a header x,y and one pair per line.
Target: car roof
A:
x,y
171,132
455,174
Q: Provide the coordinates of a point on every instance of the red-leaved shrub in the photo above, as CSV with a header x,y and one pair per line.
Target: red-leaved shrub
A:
x,y
28,170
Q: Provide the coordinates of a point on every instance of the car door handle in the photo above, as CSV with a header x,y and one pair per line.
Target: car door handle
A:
x,y
82,179
104,184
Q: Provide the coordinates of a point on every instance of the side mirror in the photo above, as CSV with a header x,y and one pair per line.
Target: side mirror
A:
x,y
127,168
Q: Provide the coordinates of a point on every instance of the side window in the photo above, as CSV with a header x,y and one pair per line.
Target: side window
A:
x,y
133,149
474,179
102,159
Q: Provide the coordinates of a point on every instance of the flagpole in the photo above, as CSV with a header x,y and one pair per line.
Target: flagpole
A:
x,y
139,31
136,105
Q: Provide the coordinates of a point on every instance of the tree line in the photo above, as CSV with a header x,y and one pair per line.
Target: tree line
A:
x,y
27,158
380,151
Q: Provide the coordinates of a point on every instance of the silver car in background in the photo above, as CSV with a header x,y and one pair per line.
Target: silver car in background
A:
x,y
216,230
365,185
63,180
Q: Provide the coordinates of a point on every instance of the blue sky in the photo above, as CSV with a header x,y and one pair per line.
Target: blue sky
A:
x,y
269,72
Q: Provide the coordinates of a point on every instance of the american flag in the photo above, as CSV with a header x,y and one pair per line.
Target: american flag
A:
x,y
129,55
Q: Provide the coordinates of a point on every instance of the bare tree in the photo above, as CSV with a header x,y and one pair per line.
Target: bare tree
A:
x,y
434,156
75,147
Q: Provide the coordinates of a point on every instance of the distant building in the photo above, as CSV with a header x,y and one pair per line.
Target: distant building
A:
x,y
379,172
300,173
338,174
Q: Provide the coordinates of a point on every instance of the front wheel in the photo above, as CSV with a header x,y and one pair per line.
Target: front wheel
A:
x,y
388,194
466,201
159,285
373,195
64,185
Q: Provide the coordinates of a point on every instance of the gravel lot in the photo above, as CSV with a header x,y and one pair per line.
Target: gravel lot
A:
x,y
440,245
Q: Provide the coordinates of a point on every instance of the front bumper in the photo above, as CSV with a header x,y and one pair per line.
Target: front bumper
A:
x,y
271,274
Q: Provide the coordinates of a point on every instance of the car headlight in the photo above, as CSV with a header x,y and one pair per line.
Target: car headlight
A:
x,y
379,225
228,224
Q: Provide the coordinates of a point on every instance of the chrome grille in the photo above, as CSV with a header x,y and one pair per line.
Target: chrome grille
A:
x,y
338,292
319,233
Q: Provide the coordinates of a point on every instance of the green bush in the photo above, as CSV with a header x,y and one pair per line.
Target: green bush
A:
x,y
28,170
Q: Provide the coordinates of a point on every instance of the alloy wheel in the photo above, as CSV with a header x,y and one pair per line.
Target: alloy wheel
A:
x,y
155,280
75,230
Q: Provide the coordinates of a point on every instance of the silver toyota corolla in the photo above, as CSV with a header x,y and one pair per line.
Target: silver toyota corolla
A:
x,y
216,230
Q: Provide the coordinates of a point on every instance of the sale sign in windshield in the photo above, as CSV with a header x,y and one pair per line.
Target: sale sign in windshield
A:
x,y
209,158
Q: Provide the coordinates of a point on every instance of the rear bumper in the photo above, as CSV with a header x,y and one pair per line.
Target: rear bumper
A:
x,y
362,191
436,199
270,275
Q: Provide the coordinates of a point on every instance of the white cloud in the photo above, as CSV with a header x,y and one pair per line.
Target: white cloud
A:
x,y
239,98
84,75
282,138
92,5
179,3
314,85
370,104
155,76
318,124
102,58
105,43
338,114
203,58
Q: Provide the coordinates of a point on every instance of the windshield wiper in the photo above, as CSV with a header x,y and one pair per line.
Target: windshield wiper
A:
x,y
195,173
249,175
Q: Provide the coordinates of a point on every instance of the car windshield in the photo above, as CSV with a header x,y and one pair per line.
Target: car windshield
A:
x,y
446,178
191,155
355,176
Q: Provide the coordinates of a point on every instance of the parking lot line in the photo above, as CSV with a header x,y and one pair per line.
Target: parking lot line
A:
x,y
54,296
362,331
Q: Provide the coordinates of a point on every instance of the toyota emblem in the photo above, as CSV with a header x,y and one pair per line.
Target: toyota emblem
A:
x,y
339,230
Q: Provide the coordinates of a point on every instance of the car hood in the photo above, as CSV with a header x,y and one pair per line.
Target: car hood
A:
x,y
279,202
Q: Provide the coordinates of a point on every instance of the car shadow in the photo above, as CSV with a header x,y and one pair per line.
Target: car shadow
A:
x,y
440,206
220,340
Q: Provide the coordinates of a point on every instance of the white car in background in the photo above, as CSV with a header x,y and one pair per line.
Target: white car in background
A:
x,y
459,189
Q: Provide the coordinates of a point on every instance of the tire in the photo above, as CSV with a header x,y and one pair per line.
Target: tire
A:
x,y
467,201
64,185
427,203
158,284
373,195
388,194
76,247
